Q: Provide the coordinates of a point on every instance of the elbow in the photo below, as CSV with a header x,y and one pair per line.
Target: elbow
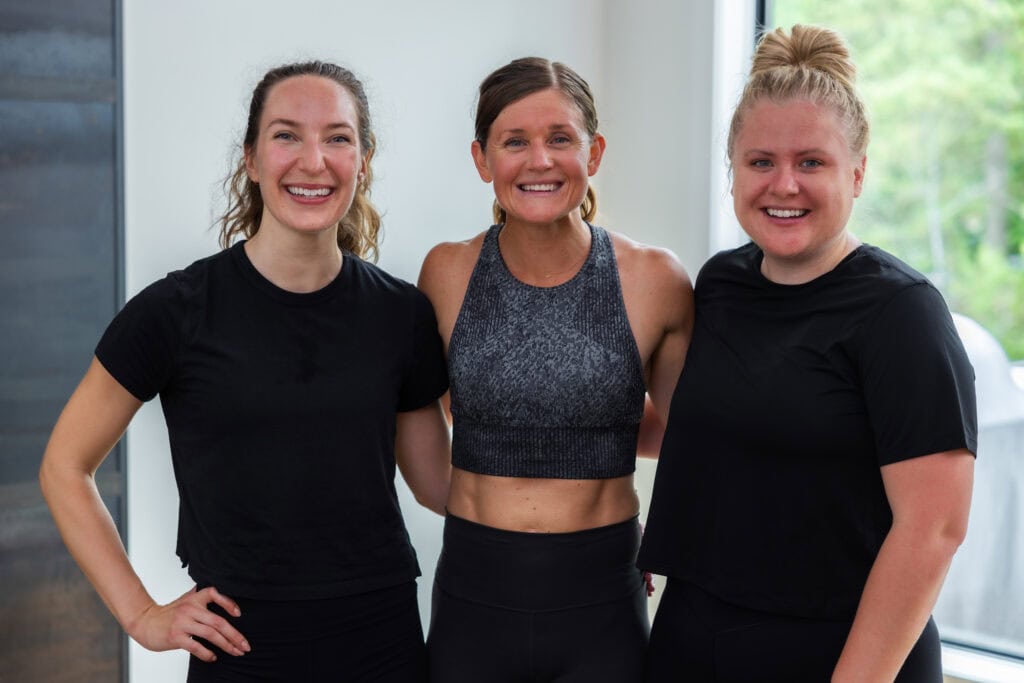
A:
x,y
953,533
950,530
429,504
436,508
46,479
58,479
432,494
934,540
941,541
435,502
50,482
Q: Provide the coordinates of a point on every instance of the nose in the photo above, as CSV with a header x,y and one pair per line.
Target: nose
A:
x,y
784,182
540,157
311,158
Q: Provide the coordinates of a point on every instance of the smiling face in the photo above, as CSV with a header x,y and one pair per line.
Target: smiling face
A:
x,y
306,157
539,158
794,182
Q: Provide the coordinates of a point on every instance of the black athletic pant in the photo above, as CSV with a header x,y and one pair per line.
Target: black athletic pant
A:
x,y
515,607
697,637
374,636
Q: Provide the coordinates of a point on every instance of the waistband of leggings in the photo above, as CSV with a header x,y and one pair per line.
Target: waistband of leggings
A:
x,y
539,571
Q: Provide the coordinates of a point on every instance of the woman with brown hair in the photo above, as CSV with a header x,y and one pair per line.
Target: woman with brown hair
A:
x,y
293,375
555,330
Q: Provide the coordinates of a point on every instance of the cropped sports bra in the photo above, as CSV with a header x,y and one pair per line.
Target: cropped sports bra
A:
x,y
546,382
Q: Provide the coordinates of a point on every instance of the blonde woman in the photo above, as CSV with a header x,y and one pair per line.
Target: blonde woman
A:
x,y
816,472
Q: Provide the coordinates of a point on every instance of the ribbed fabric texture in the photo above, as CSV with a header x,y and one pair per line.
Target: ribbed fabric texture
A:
x,y
545,381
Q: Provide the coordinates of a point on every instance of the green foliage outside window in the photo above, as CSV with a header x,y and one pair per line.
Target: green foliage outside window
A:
x,y
944,190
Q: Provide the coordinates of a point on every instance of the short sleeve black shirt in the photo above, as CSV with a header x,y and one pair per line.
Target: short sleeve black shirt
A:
x,y
280,409
768,492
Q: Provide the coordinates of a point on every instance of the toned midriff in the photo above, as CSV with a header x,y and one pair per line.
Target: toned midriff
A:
x,y
541,505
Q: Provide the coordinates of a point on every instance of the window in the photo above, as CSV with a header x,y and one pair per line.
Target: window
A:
x,y
944,191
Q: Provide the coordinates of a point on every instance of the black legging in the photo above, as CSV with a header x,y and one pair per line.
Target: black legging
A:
x,y
697,637
373,636
514,607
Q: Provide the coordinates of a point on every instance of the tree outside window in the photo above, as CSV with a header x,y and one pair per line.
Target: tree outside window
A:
x,y
944,85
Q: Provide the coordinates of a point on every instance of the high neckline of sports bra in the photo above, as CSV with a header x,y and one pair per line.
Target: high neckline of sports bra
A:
x,y
495,245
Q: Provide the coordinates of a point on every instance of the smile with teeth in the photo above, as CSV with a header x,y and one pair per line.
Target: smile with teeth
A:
x,y
539,187
304,192
786,213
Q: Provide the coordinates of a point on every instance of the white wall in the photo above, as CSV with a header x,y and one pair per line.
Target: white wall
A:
x,y
190,66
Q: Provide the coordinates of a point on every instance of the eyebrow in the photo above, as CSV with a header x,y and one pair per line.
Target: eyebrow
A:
x,y
554,126
800,153
295,124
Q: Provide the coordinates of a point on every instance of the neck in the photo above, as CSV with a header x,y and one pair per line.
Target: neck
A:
x,y
545,255
801,271
296,263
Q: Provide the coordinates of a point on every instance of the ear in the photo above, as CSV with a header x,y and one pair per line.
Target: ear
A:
x,y
596,153
858,176
480,160
250,164
364,164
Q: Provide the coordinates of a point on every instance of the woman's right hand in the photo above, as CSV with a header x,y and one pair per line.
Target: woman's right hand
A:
x,y
177,624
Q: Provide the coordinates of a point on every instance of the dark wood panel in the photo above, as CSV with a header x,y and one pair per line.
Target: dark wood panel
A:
x,y
59,274
57,38
57,264
53,626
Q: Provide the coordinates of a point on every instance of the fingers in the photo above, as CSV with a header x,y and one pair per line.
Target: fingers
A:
x,y
215,631
196,649
189,624
649,580
226,603
214,628
211,594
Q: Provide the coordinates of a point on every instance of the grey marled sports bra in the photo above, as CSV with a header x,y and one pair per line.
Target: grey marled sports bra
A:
x,y
545,381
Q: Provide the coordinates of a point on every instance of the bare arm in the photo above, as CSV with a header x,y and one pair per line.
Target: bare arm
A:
x,y
423,454
94,418
930,498
652,429
663,295
444,278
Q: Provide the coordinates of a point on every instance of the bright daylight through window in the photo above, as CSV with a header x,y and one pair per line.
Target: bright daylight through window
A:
x,y
944,191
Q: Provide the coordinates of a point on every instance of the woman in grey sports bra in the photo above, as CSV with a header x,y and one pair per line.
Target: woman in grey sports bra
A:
x,y
556,330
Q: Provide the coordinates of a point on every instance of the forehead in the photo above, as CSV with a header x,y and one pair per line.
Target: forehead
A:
x,y
800,122
543,109
312,99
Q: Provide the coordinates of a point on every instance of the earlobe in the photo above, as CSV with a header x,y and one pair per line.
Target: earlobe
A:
x,y
250,166
597,146
363,166
480,161
858,176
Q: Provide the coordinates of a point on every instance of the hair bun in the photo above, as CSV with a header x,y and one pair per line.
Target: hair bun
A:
x,y
810,63
810,47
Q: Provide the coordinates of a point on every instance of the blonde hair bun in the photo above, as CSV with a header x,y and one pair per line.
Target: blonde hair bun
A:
x,y
810,63
811,47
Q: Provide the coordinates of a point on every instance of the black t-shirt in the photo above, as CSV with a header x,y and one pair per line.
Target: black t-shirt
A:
x,y
280,409
768,492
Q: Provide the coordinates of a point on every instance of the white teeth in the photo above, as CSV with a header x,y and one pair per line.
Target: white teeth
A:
x,y
785,213
303,192
549,187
